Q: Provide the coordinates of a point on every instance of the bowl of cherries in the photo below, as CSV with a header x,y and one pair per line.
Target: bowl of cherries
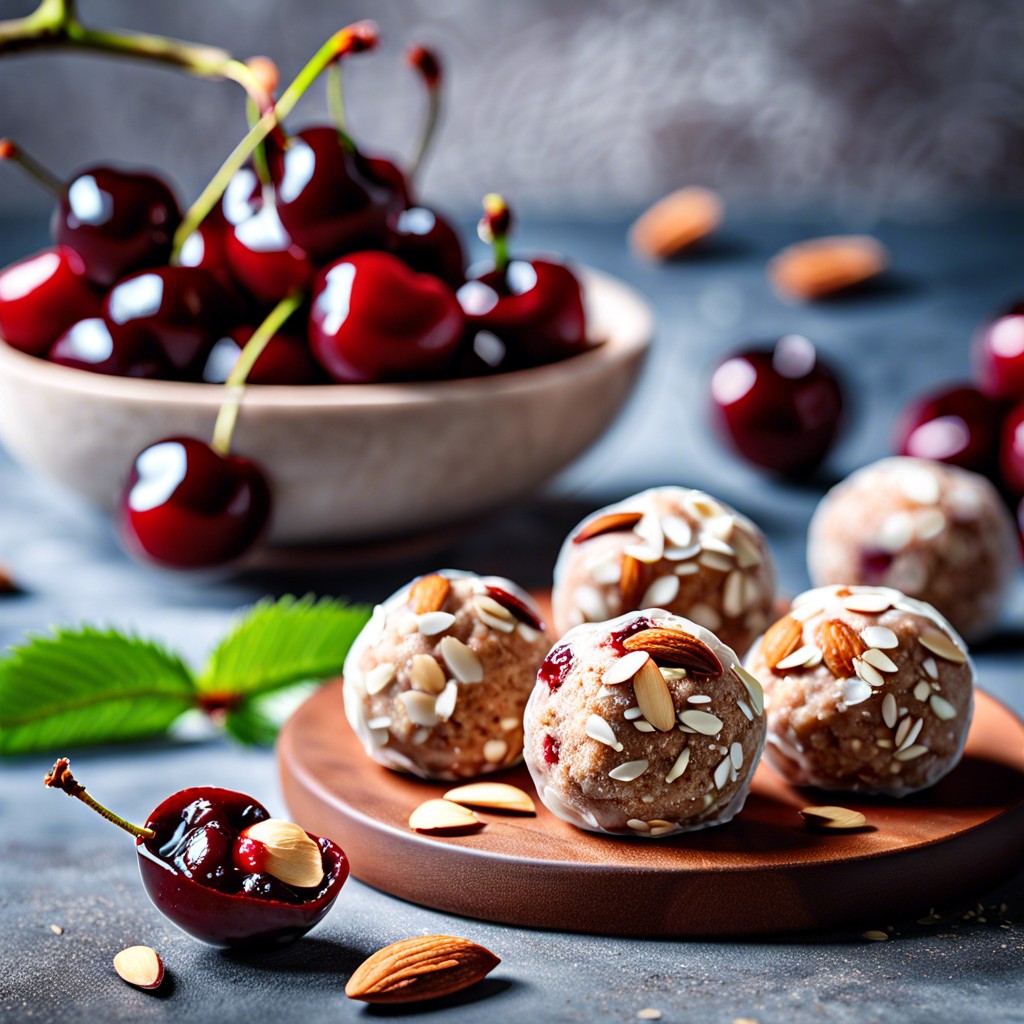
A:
x,y
302,356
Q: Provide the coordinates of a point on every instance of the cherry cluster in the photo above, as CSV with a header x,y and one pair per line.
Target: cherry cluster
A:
x,y
306,260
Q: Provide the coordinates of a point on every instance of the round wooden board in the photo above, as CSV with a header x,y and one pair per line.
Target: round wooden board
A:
x,y
765,872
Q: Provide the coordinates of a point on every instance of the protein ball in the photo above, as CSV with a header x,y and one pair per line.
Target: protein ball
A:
x,y
436,682
933,531
646,725
866,690
671,548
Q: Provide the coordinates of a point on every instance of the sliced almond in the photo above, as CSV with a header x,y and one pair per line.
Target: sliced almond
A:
x,y
444,818
286,852
597,728
781,640
654,698
426,674
677,648
631,582
623,670
495,751
420,707
703,722
610,522
755,691
493,796
676,222
493,614
840,644
833,817
380,677
429,593
424,967
463,661
939,643
822,266
140,966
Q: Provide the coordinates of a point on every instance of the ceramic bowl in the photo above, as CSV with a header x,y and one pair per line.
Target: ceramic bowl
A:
x,y
347,463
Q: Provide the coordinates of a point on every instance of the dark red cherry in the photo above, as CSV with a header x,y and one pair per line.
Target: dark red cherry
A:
x,y
999,355
285,360
534,307
186,506
261,255
551,750
127,352
374,319
556,666
41,296
1011,452
779,406
392,176
521,607
117,221
956,425
423,239
184,309
206,247
328,196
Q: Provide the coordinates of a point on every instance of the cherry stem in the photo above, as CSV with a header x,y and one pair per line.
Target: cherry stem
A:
x,y
336,105
494,228
337,46
227,417
33,168
60,777
427,64
54,25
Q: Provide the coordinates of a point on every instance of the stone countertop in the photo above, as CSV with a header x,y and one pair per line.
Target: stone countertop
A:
x,y
60,866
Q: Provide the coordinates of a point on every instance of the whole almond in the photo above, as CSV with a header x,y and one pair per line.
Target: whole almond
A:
x,y
676,222
821,266
424,967
676,647
654,698
608,523
781,640
631,583
429,593
140,966
840,644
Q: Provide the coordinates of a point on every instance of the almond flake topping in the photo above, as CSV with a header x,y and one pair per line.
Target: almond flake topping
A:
x,y
800,658
623,670
598,729
880,660
679,766
748,554
495,751
433,623
929,523
420,707
631,714
922,691
653,697
638,826
661,592
493,614
910,753
734,594
463,661
678,531
889,710
722,773
610,522
628,771
698,698
703,722
939,643
591,603
444,706
880,637
941,707
855,691
736,755
868,673
920,485
379,678
753,687
868,603
426,674
642,725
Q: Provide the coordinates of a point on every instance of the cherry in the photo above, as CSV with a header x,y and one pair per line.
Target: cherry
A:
x,y
41,296
184,309
551,749
957,425
206,247
285,360
779,406
188,506
425,241
556,666
186,859
534,307
999,355
357,337
616,639
117,221
520,605
91,345
1011,452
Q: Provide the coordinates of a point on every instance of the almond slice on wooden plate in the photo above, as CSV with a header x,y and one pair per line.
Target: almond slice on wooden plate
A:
x,y
837,818
654,698
140,966
676,222
781,640
444,818
423,967
840,645
429,593
493,796
610,522
676,647
822,266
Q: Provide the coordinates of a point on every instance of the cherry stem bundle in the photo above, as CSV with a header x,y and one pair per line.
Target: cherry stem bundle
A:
x,y
60,777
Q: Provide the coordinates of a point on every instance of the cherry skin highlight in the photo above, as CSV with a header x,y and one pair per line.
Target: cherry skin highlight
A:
x,y
999,355
1011,452
128,352
285,360
186,506
422,239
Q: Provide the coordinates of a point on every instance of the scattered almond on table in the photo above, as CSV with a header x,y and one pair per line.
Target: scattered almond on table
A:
x,y
493,796
140,966
444,818
423,967
823,266
836,818
675,223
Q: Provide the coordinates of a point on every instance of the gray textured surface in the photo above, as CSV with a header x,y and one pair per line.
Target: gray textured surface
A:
x,y
592,104
61,865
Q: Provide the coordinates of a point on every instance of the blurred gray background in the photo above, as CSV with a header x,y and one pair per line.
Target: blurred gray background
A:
x,y
581,106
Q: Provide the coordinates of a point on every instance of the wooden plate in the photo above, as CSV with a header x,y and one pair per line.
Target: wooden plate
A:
x,y
764,872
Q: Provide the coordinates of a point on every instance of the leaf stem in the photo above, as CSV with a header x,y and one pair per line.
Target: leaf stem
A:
x,y
227,417
60,777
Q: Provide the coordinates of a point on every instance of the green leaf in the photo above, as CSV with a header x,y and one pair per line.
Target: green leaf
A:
x,y
257,720
86,686
280,643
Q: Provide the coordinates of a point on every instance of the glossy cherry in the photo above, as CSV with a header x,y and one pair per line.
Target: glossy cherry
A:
x,y
187,506
780,406
125,352
957,425
285,360
41,296
184,309
422,239
374,319
1011,452
117,221
999,355
206,247
186,854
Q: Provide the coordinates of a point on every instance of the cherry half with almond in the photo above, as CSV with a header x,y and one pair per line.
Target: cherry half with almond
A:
x,y
218,866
